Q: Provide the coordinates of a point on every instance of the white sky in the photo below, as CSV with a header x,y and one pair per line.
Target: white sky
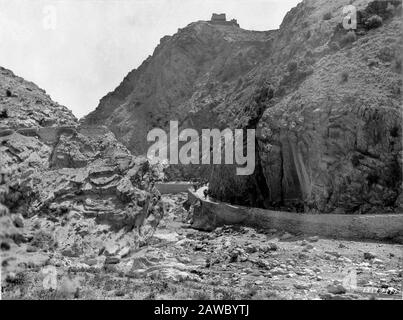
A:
x,y
84,50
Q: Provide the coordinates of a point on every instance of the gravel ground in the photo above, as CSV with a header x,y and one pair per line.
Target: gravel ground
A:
x,y
182,263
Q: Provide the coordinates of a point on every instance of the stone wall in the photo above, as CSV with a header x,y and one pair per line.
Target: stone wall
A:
x,y
209,215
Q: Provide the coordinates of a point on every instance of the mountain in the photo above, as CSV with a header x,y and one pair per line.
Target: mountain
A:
x,y
325,101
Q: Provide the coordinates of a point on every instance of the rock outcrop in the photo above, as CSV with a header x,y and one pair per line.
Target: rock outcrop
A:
x,y
59,169
326,103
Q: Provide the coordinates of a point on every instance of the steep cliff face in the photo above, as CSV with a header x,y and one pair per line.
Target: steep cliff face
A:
x,y
326,103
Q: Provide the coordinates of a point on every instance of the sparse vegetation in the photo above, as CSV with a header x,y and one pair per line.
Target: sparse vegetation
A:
x,y
327,16
292,66
374,22
398,65
386,54
344,76
348,38
43,240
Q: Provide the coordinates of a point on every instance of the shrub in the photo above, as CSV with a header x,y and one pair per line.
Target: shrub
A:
x,y
386,54
292,66
43,240
398,65
373,63
3,114
8,93
327,16
344,76
373,22
349,37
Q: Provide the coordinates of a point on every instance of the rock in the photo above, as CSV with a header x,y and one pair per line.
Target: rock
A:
x,y
18,221
303,243
119,293
124,252
31,248
272,246
336,289
112,260
330,296
90,262
307,248
199,247
286,236
313,239
302,286
238,255
251,249
185,260
69,252
377,261
111,249
369,256
333,253
278,271
5,246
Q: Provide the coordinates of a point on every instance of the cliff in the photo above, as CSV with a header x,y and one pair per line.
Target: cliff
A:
x,y
326,103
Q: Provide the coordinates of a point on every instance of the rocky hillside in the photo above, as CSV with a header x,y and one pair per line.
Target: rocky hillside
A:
x,y
186,79
66,189
24,104
326,103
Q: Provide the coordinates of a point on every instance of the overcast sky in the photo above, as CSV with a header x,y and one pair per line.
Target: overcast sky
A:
x,y
79,50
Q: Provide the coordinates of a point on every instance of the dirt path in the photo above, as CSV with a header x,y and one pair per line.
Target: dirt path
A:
x,y
229,263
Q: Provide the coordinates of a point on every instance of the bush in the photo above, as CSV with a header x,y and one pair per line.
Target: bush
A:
x,y
292,66
373,22
398,65
344,76
386,54
3,114
327,16
349,37
8,93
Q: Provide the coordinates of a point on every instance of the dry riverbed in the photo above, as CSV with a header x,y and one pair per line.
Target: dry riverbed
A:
x,y
182,263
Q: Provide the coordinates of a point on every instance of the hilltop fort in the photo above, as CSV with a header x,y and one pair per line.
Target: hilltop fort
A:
x,y
222,20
